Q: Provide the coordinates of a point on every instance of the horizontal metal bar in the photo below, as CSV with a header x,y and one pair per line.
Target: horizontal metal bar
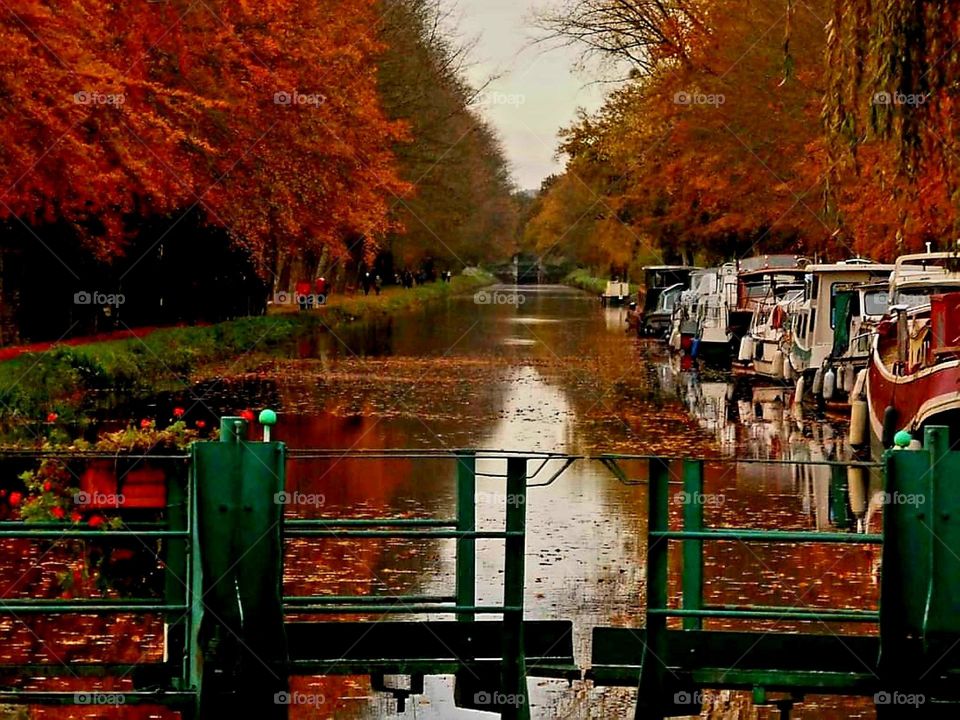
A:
x,y
831,615
301,523
24,606
451,454
79,455
409,534
400,609
740,461
364,599
73,532
770,536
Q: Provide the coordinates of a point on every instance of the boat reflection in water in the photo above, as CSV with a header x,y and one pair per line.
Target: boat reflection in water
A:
x,y
762,424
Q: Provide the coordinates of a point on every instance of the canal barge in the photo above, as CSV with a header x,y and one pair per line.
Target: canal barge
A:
x,y
914,374
656,280
830,327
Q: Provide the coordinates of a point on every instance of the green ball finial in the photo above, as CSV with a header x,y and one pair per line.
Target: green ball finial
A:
x,y
268,417
902,439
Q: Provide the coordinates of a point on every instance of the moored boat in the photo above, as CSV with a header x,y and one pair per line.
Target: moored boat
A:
x,y
830,328
766,293
914,373
657,279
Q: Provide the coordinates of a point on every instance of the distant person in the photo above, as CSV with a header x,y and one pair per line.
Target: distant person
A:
x,y
303,289
378,284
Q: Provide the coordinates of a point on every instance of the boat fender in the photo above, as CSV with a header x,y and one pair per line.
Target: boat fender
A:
x,y
695,348
788,372
829,384
818,382
889,426
801,389
746,349
675,341
858,423
778,366
849,377
859,386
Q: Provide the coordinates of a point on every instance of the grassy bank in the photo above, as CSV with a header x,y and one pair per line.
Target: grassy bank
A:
x,y
61,379
582,279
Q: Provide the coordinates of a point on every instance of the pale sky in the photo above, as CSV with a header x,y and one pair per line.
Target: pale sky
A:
x,y
538,90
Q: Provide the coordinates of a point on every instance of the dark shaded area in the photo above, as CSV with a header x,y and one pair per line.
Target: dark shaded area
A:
x,y
173,271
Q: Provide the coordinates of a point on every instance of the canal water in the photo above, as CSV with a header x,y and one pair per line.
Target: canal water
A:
x,y
547,369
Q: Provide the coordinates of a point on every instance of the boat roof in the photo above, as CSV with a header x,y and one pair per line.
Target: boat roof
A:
x,y
671,267
852,266
799,272
762,262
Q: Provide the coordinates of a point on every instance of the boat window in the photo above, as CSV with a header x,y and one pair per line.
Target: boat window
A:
x,y
876,302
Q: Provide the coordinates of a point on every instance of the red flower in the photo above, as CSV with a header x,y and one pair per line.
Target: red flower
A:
x,y
51,417
75,517
58,513
47,486
201,424
96,521
15,499
247,415
144,424
178,412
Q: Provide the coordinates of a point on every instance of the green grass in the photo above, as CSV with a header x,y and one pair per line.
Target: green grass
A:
x,y
582,279
61,379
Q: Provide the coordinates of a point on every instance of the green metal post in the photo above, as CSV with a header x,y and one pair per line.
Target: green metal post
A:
x,y
176,579
651,691
466,522
239,488
693,549
943,603
514,680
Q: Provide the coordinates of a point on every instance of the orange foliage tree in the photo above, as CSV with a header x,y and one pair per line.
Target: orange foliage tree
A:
x,y
263,115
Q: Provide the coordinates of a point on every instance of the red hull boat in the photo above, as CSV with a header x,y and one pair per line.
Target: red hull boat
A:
x,y
914,377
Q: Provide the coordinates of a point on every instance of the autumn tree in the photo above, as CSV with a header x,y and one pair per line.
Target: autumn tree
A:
x,y
461,209
705,152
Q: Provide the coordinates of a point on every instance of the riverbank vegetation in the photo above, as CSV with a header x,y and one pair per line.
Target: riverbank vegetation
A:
x,y
582,278
41,392
821,128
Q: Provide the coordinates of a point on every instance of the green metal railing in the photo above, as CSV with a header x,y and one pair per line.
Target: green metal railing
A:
x,y
222,539
167,541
